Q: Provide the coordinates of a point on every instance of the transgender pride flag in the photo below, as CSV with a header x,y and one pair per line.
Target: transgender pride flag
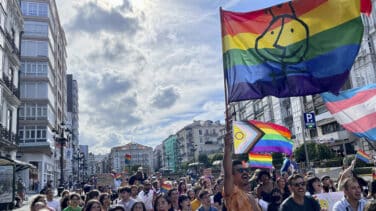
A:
x,y
355,110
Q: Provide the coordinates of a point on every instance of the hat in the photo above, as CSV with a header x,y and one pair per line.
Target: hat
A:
x,y
140,168
325,177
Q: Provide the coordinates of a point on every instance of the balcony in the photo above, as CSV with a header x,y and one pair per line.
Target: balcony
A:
x,y
12,44
9,84
7,138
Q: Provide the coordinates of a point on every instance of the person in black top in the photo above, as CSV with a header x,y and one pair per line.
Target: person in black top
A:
x,y
298,201
140,176
276,200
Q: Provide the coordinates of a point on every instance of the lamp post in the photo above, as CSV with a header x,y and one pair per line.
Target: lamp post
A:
x,y
61,137
194,149
78,156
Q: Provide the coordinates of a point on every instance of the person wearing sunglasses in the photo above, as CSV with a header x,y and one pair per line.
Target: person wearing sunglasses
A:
x,y
236,184
298,200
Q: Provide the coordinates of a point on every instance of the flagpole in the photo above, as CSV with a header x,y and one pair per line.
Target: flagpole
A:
x,y
369,143
227,115
303,133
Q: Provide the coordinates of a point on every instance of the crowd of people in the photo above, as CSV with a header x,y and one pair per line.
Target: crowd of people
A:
x,y
236,189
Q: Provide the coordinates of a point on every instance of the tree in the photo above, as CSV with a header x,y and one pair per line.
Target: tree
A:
x,y
217,156
277,159
315,152
203,158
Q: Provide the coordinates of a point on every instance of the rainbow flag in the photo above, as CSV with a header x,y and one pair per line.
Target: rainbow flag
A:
x,y
166,186
363,156
260,160
276,138
128,158
373,175
294,49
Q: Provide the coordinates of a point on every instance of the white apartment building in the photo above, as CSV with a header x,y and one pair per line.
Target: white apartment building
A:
x,y
199,137
140,156
11,26
43,90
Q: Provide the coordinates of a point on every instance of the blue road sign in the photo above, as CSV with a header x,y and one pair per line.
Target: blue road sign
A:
x,y
309,120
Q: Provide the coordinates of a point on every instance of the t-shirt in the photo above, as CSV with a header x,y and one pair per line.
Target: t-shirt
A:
x,y
73,209
195,204
54,204
310,204
218,198
238,201
127,205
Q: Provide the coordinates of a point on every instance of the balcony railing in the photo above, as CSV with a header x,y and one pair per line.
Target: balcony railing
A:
x,y
12,43
7,136
9,83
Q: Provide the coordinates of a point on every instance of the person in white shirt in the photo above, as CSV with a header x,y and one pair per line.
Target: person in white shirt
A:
x,y
124,195
147,195
51,202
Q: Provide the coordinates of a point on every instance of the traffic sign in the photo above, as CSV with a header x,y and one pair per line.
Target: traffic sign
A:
x,y
309,120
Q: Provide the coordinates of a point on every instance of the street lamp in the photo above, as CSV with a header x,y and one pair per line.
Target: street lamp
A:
x,y
78,156
61,137
194,149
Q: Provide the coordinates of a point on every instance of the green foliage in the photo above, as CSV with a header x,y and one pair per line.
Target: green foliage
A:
x,y
277,159
217,156
358,164
316,152
363,170
203,158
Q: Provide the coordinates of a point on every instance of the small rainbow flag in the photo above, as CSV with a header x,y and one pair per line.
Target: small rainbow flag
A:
x,y
128,158
260,160
276,138
374,176
166,186
363,156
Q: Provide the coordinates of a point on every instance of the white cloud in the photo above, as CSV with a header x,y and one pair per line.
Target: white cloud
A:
x,y
147,81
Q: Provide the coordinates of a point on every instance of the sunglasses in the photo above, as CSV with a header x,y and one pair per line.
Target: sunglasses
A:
x,y
242,170
300,184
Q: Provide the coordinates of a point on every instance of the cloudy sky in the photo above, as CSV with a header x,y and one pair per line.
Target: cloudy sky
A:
x,y
145,68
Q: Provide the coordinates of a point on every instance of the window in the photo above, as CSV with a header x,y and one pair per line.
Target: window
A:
x,y
34,69
34,9
36,28
34,90
33,112
331,128
31,134
34,48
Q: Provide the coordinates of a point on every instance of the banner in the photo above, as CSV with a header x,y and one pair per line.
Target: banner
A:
x,y
327,200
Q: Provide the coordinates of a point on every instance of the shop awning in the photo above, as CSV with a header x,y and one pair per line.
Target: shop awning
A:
x,y
20,165
195,164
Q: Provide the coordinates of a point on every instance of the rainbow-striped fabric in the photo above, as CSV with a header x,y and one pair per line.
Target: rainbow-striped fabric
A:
x,y
256,160
361,155
294,49
128,158
276,138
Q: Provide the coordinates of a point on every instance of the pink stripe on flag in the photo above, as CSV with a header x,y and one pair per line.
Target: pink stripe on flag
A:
x,y
359,98
362,125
